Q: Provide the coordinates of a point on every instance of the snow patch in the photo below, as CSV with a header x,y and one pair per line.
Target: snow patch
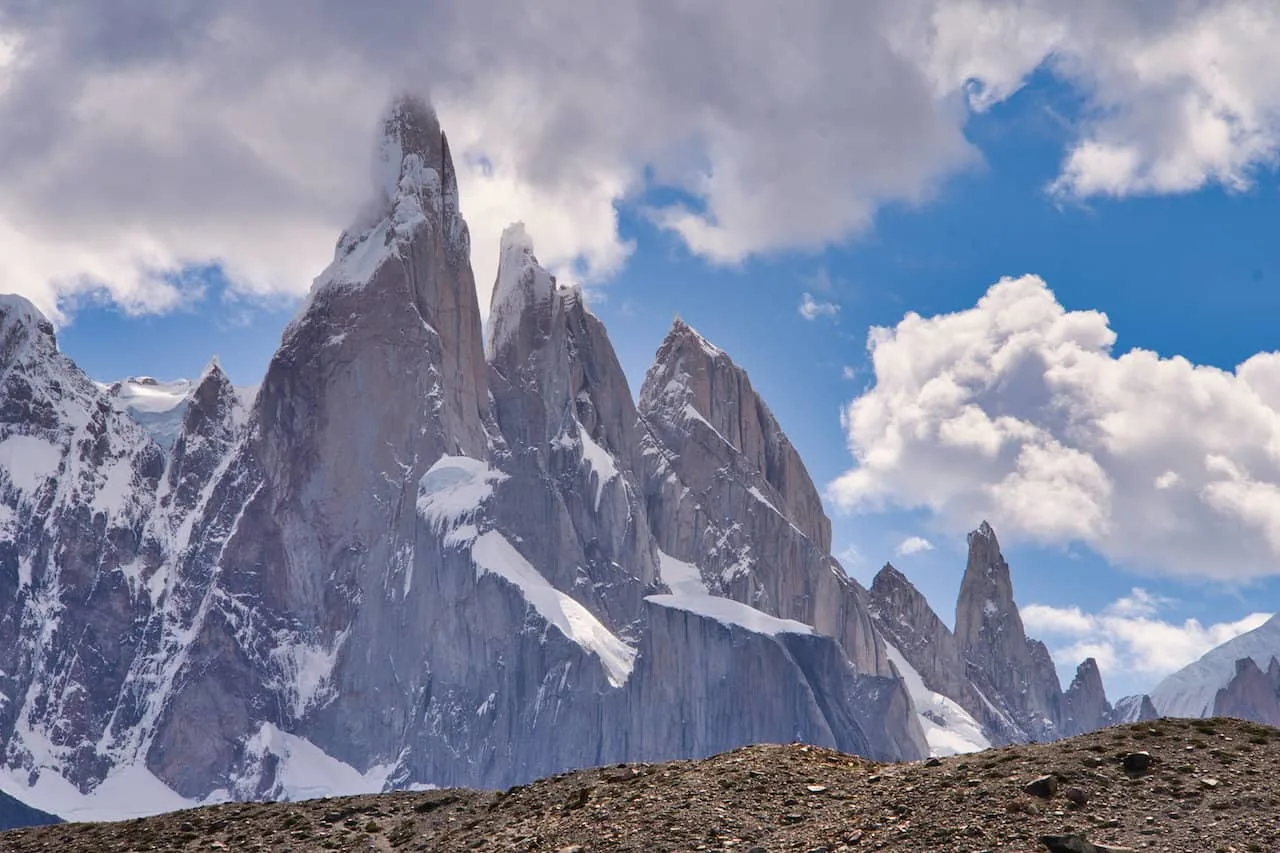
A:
x,y
454,490
726,611
493,554
680,577
307,670
948,728
303,770
28,462
129,791
601,462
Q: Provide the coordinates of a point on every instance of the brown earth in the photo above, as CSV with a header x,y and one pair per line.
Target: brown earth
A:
x,y
1187,785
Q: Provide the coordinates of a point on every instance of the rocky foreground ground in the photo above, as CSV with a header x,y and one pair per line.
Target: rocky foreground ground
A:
x,y
1171,785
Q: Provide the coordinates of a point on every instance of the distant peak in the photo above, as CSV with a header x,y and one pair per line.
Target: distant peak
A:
x,y
889,572
213,372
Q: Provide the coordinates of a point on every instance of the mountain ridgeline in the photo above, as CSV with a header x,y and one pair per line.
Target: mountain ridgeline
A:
x,y
428,553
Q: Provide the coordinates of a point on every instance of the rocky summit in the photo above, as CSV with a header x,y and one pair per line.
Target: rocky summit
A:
x,y
1169,785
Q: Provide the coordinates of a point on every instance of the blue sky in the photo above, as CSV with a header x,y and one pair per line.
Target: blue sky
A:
x,y
1176,248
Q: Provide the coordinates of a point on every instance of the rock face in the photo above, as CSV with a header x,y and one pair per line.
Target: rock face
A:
x,y
726,492
995,646
1253,694
417,556
1004,682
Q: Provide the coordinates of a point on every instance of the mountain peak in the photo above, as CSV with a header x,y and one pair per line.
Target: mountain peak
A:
x,y
18,313
410,132
523,286
889,576
682,333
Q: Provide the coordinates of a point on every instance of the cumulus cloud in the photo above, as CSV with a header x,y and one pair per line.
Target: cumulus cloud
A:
x,y
812,309
1128,638
1019,410
913,545
774,127
1179,95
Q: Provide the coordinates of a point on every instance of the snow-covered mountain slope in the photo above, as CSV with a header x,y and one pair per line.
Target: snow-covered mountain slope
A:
x,y
1191,691
949,729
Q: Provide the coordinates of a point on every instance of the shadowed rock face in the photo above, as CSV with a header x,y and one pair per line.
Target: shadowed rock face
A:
x,y
434,560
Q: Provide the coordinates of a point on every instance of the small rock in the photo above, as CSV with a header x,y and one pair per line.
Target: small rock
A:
x,y
1044,787
1210,782
933,762
1136,762
815,789
1076,796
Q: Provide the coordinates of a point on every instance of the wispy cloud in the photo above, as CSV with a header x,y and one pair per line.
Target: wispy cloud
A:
x,y
812,309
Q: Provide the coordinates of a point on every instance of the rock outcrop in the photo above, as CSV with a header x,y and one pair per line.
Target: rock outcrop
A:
x,y
1192,691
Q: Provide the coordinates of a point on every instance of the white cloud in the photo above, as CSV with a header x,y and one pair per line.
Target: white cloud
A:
x,y
1019,411
812,309
913,545
777,127
1179,94
1127,638
781,126
848,372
